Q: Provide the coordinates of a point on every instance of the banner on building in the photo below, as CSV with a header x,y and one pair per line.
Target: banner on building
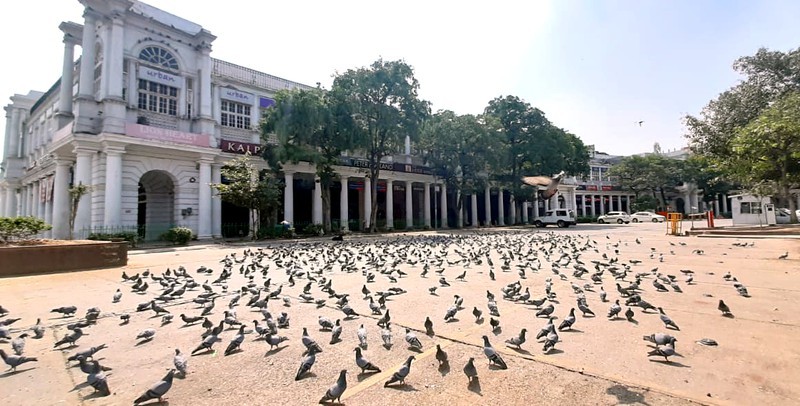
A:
x,y
386,166
236,147
231,94
165,135
158,76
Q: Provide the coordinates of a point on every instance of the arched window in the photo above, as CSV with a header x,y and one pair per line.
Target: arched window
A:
x,y
159,56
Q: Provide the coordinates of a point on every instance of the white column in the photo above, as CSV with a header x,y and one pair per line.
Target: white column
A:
x,y
724,203
474,209
525,212
288,198
86,81
204,211
116,58
344,205
48,208
602,204
501,212
487,203
61,200
112,214
316,204
536,207
205,81
367,202
409,205
65,92
443,209
23,201
390,204
216,202
13,140
10,201
35,200
83,175
427,207
512,207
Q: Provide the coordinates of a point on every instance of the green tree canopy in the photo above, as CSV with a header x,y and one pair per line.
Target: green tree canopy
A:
x,y
380,106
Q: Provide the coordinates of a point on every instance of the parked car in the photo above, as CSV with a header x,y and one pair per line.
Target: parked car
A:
x,y
561,217
642,216
618,217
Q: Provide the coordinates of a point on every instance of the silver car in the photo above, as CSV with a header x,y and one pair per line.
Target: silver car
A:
x,y
618,217
646,216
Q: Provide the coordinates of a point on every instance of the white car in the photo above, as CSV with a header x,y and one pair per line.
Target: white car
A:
x,y
644,216
560,217
618,217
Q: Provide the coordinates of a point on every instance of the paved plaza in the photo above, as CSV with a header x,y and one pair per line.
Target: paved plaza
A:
x,y
598,361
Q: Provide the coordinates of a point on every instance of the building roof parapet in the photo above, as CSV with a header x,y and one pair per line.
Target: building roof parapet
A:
x,y
252,77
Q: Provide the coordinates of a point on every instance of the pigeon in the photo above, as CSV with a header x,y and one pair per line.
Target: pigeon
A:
x,y
235,344
335,392
66,311
38,330
275,340
14,361
469,370
207,344
384,319
568,321
493,356
615,309
784,255
518,340
362,362
428,326
146,335
629,314
180,362
603,295
547,311
665,351
477,313
451,313
726,311
550,341
191,320
362,337
661,339
401,374
546,329
117,296
666,320
441,356
412,340
386,336
550,184
309,342
158,390
348,312
325,323
18,344
306,365
336,332
495,323
86,354
98,381
70,338
584,309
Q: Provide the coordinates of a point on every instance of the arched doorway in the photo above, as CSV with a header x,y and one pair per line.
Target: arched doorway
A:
x,y
680,205
156,204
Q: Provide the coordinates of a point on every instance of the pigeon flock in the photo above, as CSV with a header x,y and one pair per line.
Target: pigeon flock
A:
x,y
246,301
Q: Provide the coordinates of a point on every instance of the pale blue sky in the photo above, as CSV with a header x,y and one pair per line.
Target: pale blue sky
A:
x,y
593,67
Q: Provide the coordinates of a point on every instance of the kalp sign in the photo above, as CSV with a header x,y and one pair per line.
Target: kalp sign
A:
x,y
236,147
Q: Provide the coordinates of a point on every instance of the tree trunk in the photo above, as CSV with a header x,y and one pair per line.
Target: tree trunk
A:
x,y
326,207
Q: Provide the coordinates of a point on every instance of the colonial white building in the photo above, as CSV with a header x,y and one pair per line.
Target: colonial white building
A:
x,y
147,118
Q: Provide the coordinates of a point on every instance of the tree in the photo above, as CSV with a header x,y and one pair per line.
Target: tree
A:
x,y
305,123
653,173
380,107
75,194
246,187
768,149
457,148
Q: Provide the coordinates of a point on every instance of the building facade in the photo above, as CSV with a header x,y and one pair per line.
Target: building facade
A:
x,y
147,118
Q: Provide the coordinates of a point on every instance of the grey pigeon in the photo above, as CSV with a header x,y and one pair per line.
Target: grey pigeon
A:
x,y
207,344
362,362
493,356
117,296
547,311
451,313
362,337
469,370
38,330
325,323
629,314
546,329
65,310
412,340
614,311
665,351
86,354
428,326
666,320
309,342
551,340
477,313
158,390
401,374
70,338
726,311
518,340
306,364
18,344
146,335
441,356
335,392
386,336
661,339
275,340
336,333
568,321
14,361
98,381
236,343
180,362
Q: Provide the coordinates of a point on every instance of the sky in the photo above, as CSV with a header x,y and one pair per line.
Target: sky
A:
x,y
595,67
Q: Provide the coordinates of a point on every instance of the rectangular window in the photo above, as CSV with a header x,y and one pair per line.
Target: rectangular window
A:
x,y
235,115
189,97
158,98
750,208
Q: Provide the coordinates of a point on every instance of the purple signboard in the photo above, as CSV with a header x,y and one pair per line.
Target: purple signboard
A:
x,y
163,134
265,102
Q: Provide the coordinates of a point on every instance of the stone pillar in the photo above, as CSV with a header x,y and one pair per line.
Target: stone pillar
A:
x,y
409,205
501,212
344,205
65,91
35,200
525,212
216,202
443,212
204,211
602,205
487,202
459,210
61,199
86,79
10,202
367,202
724,203
390,204
83,175
112,214
427,199
207,119
474,209
512,208
23,201
14,135
288,198
48,208
316,204
536,208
